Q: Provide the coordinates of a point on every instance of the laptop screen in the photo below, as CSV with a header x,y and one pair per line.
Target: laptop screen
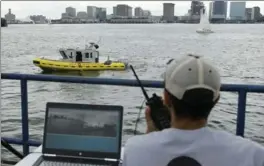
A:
x,y
83,128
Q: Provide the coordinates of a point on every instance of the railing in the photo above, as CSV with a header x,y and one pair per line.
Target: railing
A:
x,y
241,89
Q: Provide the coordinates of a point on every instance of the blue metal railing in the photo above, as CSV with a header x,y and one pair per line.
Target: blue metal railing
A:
x,y
241,89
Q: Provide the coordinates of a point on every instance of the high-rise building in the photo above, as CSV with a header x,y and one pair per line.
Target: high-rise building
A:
x,y
196,7
218,10
146,13
97,12
248,13
91,12
64,15
101,14
114,11
138,12
130,11
82,15
238,10
38,19
71,11
256,15
189,13
10,17
168,12
123,10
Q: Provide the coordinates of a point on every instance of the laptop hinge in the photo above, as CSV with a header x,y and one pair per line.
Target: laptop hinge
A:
x,y
108,159
49,155
54,155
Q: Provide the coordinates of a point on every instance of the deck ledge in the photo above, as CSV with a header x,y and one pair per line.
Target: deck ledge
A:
x,y
33,157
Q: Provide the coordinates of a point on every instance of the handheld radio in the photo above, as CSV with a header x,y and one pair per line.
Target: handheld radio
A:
x,y
159,113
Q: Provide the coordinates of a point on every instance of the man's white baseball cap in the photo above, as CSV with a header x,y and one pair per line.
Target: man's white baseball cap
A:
x,y
191,73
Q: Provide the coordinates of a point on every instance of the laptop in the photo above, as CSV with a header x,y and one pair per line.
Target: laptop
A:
x,y
82,135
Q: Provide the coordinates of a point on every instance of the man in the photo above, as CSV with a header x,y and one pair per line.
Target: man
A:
x,y
192,88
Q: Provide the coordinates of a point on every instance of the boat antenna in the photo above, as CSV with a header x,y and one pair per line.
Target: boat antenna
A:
x,y
99,40
86,46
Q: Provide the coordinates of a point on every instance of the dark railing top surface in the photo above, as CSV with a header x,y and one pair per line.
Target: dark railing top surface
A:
x,y
120,82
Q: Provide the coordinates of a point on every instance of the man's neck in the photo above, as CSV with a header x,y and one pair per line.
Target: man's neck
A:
x,y
186,124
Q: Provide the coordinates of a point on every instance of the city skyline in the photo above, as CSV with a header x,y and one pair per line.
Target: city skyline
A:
x,y
90,117
23,9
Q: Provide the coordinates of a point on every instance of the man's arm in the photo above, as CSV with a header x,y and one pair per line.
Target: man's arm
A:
x,y
150,124
261,156
258,153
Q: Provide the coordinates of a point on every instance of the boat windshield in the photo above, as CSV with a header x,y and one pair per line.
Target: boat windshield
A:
x,y
63,55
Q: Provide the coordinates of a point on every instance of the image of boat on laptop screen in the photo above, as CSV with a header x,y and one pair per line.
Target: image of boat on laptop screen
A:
x,y
85,130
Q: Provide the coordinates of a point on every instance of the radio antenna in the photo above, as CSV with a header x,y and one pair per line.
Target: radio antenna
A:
x,y
140,84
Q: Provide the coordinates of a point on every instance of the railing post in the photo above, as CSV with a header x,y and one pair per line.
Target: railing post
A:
x,y
242,99
24,113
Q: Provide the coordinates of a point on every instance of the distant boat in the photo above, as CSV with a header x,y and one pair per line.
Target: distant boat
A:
x,y
49,21
204,23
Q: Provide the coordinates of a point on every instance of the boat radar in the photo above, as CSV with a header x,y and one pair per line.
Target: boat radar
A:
x,y
92,44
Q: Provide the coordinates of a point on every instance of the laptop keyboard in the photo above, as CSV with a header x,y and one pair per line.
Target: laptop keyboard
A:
x,y
56,163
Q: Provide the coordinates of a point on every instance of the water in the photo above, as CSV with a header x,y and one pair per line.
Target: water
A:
x,y
237,50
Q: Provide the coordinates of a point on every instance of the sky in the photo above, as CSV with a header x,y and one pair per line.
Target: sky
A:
x,y
53,9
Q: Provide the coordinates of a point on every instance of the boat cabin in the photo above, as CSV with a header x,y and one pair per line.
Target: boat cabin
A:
x,y
89,54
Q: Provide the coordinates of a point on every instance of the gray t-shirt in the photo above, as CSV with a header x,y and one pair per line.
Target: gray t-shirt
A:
x,y
207,147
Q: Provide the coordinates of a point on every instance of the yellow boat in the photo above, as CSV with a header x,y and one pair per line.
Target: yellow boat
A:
x,y
79,60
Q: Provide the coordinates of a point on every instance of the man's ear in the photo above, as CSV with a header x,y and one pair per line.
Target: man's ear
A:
x,y
167,101
217,100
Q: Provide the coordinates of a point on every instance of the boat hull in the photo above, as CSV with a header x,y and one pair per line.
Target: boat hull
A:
x,y
204,32
48,65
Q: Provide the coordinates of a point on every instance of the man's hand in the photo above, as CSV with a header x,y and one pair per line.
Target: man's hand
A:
x,y
150,125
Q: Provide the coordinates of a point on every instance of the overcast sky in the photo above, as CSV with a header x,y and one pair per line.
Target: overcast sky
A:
x,y
53,9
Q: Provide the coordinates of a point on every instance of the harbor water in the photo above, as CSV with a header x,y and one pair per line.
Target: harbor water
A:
x,y
236,50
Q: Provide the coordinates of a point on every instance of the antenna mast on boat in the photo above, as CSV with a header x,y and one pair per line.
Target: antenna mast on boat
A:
x,y
99,40
86,46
